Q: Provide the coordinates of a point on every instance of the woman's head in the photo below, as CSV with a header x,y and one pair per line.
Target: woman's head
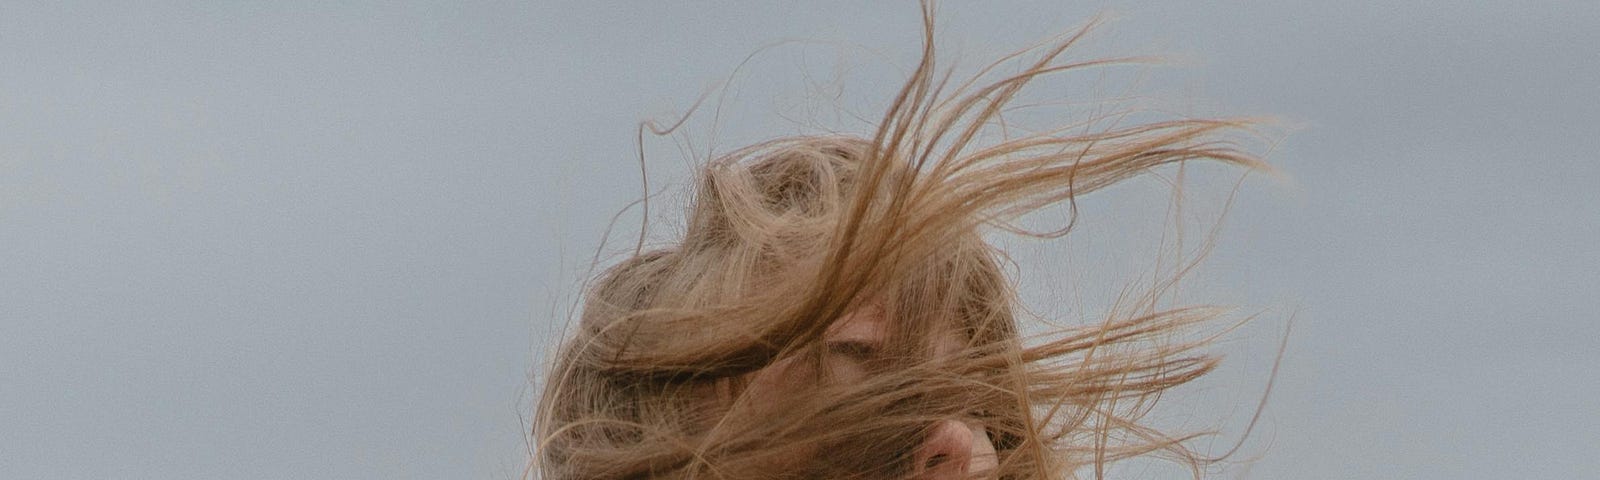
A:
x,y
832,310
729,335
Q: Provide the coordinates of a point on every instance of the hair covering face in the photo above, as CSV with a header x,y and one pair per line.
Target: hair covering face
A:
x,y
788,237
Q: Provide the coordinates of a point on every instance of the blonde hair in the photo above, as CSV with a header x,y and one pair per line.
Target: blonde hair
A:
x,y
786,237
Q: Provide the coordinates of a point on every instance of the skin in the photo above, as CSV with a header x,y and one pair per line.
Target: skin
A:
x,y
955,447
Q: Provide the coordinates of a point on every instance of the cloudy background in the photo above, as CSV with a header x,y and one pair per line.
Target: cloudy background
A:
x,y
305,240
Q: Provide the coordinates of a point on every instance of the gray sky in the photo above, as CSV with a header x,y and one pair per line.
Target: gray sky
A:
x,y
302,240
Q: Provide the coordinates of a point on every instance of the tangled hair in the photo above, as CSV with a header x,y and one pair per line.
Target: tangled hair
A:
x,y
788,236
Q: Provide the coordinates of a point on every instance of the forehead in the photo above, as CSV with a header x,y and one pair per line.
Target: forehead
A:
x,y
867,323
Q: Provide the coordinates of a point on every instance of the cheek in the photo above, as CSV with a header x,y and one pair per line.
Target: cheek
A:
x,y
765,392
780,380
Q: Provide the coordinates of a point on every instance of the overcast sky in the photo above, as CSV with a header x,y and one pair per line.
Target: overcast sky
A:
x,y
308,240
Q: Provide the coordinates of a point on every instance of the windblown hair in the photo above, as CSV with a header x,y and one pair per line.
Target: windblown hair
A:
x,y
786,237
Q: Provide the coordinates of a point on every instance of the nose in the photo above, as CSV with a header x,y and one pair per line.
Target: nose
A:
x,y
953,450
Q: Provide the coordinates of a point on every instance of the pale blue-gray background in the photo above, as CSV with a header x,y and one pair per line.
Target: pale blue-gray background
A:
x,y
317,240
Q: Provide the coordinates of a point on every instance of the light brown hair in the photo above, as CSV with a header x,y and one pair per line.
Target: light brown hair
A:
x,y
787,236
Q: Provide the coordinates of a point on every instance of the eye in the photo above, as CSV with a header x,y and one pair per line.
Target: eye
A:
x,y
854,350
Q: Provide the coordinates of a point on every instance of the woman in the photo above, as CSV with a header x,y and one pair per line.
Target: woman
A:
x,y
833,311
